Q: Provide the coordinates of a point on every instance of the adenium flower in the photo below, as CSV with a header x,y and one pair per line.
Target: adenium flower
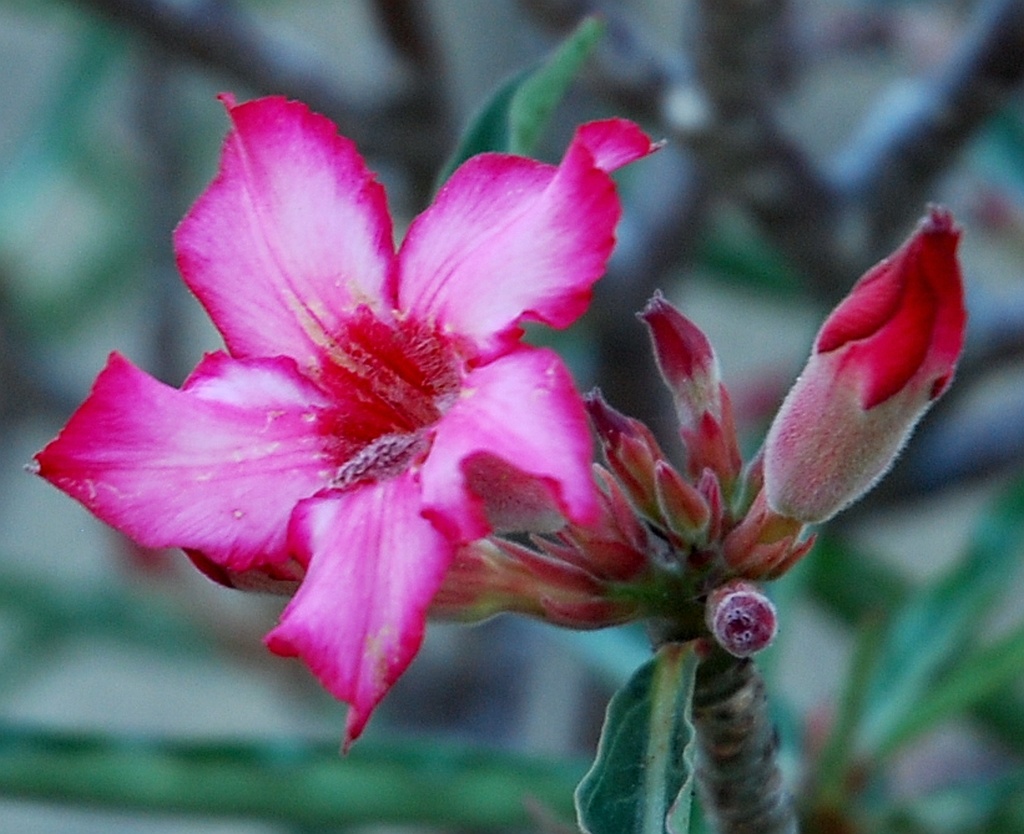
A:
x,y
883,356
374,411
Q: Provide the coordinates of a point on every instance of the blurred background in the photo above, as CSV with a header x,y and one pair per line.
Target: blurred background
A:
x,y
804,139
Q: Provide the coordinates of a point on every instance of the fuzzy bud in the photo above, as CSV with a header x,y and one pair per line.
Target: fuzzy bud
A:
x,y
883,356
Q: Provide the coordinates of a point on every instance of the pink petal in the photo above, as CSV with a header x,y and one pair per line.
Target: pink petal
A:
x,y
293,232
509,239
513,452
359,616
212,468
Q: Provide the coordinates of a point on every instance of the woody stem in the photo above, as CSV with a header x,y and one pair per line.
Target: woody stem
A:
x,y
737,750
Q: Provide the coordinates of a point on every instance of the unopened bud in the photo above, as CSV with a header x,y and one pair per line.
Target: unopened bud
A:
x,y
690,369
630,449
880,360
741,618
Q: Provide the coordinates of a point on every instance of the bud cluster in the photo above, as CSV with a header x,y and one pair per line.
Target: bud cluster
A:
x,y
683,547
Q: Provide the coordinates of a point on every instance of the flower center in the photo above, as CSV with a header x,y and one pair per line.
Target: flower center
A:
x,y
390,382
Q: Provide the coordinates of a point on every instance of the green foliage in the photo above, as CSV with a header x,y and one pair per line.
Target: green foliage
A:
x,y
925,663
936,629
287,780
513,120
642,779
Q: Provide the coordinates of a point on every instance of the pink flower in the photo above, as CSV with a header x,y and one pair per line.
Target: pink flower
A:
x,y
374,410
883,356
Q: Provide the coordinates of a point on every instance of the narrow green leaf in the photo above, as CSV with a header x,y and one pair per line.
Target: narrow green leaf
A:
x,y
837,755
931,630
980,673
642,779
285,780
514,118
542,90
736,251
851,584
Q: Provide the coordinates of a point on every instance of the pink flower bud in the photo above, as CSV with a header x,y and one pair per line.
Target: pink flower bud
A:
x,y
741,618
630,449
686,359
883,356
690,368
492,575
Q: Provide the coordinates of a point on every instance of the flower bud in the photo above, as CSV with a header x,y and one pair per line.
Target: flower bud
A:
x,y
690,369
491,576
880,360
741,618
630,449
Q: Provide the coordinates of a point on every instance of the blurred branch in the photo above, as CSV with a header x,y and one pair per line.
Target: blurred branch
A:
x,y
288,780
627,67
831,226
739,48
891,173
721,109
218,36
406,25
724,110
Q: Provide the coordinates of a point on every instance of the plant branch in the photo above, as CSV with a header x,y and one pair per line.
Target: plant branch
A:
x,y
737,746
740,142
892,174
218,36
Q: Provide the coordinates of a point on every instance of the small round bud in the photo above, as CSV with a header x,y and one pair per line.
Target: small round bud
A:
x,y
741,618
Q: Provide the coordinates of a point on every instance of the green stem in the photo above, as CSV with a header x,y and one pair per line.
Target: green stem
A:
x,y
287,781
737,748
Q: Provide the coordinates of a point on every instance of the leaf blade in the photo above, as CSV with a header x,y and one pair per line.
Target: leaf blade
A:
x,y
515,116
642,778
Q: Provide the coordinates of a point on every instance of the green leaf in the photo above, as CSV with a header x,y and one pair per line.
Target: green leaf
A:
x,y
642,779
982,672
516,115
734,249
932,629
286,780
837,757
541,91
851,583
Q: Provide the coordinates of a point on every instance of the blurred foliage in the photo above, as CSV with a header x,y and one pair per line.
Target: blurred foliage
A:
x,y
86,200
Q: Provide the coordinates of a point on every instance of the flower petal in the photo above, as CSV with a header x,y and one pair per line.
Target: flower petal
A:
x,y
509,239
215,468
513,452
293,232
359,616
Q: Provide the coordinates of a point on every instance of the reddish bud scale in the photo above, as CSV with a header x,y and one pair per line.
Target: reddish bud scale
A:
x,y
713,445
741,618
685,358
762,541
708,486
